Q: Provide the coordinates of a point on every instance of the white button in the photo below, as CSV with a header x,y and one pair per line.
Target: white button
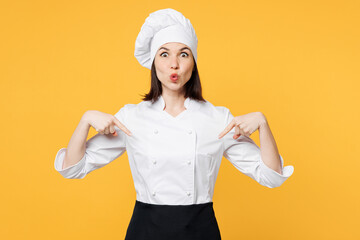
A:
x,y
190,131
153,193
188,193
156,131
154,161
189,162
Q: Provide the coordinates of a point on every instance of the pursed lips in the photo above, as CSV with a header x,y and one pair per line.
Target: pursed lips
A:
x,y
174,76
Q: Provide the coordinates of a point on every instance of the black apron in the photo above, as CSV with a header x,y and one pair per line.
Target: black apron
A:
x,y
173,222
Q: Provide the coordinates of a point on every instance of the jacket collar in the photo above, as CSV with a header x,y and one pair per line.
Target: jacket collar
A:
x,y
159,104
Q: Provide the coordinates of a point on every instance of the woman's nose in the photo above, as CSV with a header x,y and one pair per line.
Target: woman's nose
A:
x,y
174,62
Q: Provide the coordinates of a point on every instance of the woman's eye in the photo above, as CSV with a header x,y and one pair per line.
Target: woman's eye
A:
x,y
167,53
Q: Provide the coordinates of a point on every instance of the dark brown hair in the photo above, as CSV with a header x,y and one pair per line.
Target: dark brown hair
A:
x,y
193,88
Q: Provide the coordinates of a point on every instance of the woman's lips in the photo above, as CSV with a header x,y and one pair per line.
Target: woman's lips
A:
x,y
174,77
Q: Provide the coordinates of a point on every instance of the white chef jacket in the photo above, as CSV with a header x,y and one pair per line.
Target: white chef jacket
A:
x,y
175,160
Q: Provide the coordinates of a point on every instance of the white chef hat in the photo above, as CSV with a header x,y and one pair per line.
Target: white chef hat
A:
x,y
160,27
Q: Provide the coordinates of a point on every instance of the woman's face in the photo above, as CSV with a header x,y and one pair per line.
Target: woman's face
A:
x,y
172,58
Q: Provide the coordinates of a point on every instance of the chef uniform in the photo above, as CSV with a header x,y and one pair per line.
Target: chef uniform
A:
x,y
174,161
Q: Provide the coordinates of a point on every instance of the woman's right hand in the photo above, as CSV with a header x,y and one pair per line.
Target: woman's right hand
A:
x,y
104,123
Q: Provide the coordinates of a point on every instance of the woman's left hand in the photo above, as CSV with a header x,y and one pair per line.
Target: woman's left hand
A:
x,y
244,124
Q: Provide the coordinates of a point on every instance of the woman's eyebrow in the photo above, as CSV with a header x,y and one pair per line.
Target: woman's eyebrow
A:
x,y
179,50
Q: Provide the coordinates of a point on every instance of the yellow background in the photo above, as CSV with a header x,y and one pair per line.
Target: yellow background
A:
x,y
295,61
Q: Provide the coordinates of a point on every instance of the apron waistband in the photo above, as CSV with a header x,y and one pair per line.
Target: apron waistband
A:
x,y
153,221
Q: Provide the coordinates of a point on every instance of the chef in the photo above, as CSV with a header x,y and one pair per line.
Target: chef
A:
x,y
175,140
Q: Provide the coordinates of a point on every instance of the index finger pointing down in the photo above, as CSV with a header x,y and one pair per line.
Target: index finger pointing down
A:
x,y
122,127
227,129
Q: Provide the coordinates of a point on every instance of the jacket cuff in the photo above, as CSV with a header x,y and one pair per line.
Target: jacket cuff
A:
x,y
273,178
70,171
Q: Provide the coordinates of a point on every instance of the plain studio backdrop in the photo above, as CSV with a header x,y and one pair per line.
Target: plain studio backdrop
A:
x,y
295,61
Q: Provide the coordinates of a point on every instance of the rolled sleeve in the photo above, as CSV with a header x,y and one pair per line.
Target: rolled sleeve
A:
x,y
100,151
74,171
271,178
245,155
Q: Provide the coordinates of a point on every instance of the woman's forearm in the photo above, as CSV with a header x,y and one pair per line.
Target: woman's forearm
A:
x,y
269,151
77,144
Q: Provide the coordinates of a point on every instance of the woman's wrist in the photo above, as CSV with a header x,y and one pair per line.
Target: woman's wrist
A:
x,y
85,119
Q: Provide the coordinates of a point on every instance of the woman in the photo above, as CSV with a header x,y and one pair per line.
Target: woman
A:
x,y
174,139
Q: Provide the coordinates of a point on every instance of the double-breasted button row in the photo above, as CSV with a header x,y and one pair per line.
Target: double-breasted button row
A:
x,y
154,162
187,193
157,131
